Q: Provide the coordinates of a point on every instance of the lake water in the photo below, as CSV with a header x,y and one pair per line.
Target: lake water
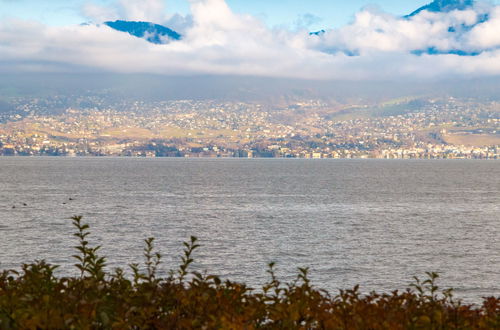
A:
x,y
376,223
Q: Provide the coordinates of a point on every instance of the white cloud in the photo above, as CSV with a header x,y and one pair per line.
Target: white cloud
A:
x,y
144,10
219,41
486,35
180,23
374,31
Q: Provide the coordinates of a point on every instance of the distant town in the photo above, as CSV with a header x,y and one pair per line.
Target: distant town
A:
x,y
399,129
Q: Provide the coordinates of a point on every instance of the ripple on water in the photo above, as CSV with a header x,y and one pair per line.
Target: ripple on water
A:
x,y
374,223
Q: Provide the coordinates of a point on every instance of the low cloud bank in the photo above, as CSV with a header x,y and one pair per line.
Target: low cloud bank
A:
x,y
376,45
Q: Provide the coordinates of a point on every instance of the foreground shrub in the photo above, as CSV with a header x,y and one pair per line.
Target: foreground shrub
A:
x,y
34,298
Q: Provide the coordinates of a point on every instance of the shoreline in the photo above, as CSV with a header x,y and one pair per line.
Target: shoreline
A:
x,y
245,158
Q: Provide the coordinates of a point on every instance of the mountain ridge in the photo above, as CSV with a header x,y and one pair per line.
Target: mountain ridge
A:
x,y
154,33
444,6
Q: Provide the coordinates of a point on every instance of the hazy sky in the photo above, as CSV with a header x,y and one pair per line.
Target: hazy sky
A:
x,y
320,13
259,38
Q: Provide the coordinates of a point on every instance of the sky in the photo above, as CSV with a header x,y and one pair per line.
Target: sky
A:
x,y
362,40
327,13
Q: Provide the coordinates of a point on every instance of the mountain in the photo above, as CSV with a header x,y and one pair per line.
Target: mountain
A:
x,y
154,33
317,33
444,6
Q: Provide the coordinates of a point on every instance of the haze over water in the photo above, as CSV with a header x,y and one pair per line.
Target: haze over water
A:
x,y
376,223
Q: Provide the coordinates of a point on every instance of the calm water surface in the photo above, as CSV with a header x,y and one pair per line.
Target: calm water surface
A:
x,y
369,222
